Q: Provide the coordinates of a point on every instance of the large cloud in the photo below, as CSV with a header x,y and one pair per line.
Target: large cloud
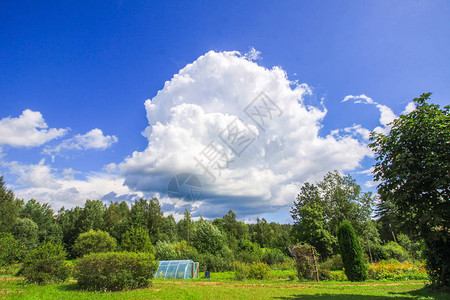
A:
x,y
200,104
28,130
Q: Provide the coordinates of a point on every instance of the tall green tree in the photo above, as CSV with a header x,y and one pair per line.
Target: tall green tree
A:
x,y
310,228
9,208
340,198
43,216
413,168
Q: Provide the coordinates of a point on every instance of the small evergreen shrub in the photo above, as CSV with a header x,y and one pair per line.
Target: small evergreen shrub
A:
x,y
46,264
93,242
241,270
258,271
351,253
115,271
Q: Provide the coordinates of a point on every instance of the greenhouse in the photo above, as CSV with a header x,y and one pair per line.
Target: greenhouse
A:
x,y
177,269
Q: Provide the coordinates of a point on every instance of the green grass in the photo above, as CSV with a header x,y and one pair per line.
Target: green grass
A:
x,y
222,287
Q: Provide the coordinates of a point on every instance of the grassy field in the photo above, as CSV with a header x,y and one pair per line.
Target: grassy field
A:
x,y
219,287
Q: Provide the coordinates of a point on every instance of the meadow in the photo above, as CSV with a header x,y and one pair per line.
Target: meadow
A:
x,y
223,286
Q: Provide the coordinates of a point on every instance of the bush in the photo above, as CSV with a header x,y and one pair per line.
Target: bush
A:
x,y
93,242
115,271
11,250
273,256
136,239
351,253
46,264
392,250
241,270
334,263
258,271
207,238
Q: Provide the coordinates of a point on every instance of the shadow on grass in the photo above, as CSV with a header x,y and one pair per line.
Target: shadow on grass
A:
x,y
427,291
70,287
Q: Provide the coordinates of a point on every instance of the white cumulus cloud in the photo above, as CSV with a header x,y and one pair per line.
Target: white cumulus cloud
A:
x,y
202,104
27,130
93,139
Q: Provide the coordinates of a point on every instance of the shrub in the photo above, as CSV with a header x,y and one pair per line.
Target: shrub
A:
x,y
392,250
93,242
351,253
241,270
115,271
273,256
258,271
46,264
334,263
136,239
11,250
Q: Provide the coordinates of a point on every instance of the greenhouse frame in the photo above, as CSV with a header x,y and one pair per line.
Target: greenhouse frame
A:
x,y
177,269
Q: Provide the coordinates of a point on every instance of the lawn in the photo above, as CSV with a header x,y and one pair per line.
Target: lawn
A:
x,y
220,287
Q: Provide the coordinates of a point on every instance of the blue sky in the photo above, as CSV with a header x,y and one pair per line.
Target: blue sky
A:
x,y
87,67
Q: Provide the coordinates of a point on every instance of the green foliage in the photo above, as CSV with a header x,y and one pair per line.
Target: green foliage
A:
x,y
207,238
26,231
43,216
392,250
273,256
394,270
148,214
320,208
258,271
11,250
115,271
334,263
241,270
136,239
46,264
310,228
9,208
93,242
351,253
164,251
413,168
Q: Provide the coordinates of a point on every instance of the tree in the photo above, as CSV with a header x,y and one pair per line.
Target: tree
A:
x,y
207,238
9,208
43,216
11,250
93,242
136,239
91,217
148,214
310,229
351,253
340,198
26,231
413,168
